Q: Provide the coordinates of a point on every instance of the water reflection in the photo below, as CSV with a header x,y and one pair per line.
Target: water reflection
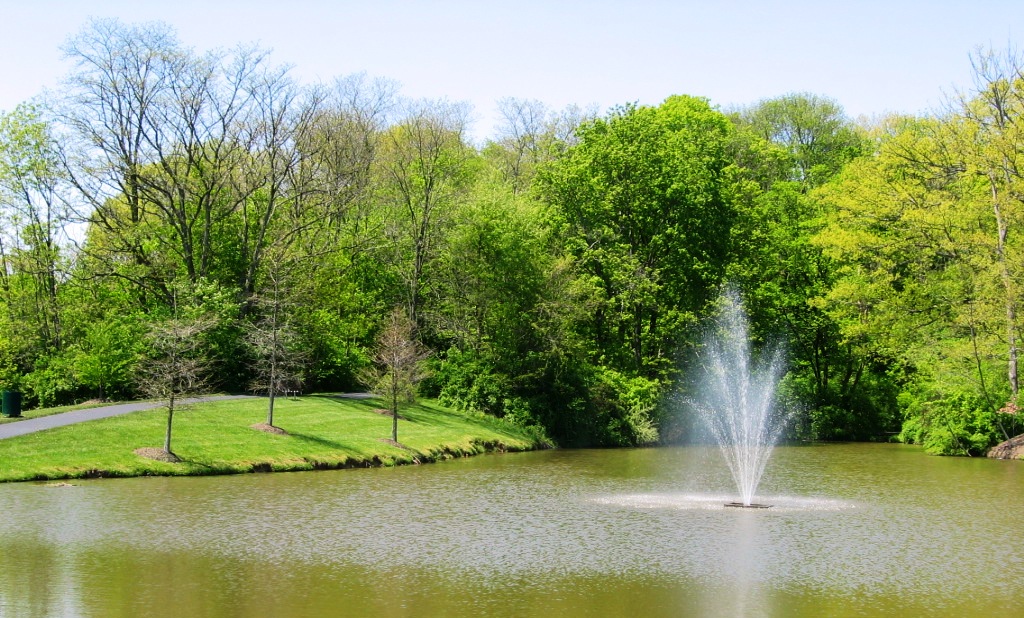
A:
x,y
856,530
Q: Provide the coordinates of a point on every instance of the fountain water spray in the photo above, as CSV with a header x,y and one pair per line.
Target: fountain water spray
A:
x,y
736,396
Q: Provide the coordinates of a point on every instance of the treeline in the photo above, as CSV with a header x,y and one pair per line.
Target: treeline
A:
x,y
559,273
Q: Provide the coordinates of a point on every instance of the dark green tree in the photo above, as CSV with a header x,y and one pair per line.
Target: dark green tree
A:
x,y
644,208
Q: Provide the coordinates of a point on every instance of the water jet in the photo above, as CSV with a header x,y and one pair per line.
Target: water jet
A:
x,y
735,397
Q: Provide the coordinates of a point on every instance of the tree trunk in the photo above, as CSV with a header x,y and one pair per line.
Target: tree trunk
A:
x,y
170,418
394,409
394,423
1007,280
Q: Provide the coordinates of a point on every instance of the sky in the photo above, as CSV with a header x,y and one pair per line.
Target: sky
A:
x,y
873,57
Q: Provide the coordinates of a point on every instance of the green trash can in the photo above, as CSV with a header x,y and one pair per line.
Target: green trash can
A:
x,y
11,403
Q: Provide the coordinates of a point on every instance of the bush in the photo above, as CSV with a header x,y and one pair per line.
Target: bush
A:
x,y
956,424
868,413
465,381
624,408
577,404
51,383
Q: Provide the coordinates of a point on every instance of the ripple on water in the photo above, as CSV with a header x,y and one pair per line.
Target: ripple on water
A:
x,y
704,501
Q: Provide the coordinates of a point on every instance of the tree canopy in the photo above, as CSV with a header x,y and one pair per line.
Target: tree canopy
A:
x,y
556,274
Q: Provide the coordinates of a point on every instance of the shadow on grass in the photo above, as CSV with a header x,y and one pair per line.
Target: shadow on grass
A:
x,y
321,442
346,401
419,413
369,403
207,468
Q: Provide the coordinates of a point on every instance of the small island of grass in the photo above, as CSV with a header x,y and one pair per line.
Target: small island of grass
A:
x,y
322,432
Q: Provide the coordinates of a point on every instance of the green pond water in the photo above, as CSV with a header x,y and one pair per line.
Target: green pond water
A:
x,y
854,530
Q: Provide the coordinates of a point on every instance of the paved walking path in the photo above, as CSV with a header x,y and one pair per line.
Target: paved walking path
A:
x,y
31,425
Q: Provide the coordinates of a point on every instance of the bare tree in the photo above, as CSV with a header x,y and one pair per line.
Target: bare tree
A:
x,y
122,76
278,116
278,362
398,364
331,187
529,134
168,147
178,368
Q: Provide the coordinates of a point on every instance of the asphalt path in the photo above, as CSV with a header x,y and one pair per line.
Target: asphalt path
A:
x,y
32,425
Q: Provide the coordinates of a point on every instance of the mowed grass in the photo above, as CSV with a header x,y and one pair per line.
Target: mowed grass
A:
x,y
216,438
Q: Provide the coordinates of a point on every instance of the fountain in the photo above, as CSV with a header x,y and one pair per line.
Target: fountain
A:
x,y
735,398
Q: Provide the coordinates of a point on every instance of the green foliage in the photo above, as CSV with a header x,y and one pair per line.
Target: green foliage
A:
x,y
789,146
957,423
467,382
868,413
51,382
105,359
556,273
9,372
643,210
625,408
813,130
578,406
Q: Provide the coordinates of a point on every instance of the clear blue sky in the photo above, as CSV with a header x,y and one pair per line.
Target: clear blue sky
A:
x,y
871,56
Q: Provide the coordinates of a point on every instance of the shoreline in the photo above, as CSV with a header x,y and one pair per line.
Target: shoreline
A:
x,y
216,438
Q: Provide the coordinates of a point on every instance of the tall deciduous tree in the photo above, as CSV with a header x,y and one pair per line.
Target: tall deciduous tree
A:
x,y
784,148
529,134
176,154
646,213
426,167
912,232
34,223
811,128
993,151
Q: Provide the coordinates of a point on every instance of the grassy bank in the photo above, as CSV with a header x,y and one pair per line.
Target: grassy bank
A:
x,y
216,438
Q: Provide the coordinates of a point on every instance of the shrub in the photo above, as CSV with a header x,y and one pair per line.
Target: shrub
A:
x,y
624,408
959,423
51,383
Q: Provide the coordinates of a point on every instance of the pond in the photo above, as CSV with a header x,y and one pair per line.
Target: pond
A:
x,y
854,530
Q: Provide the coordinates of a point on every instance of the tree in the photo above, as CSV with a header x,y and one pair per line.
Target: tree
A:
x,y
278,362
992,151
784,148
338,151
919,274
530,134
643,201
33,227
106,356
398,360
331,230
426,168
123,84
812,129
177,367
175,155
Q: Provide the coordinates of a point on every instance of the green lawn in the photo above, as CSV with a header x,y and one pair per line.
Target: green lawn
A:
x,y
216,438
